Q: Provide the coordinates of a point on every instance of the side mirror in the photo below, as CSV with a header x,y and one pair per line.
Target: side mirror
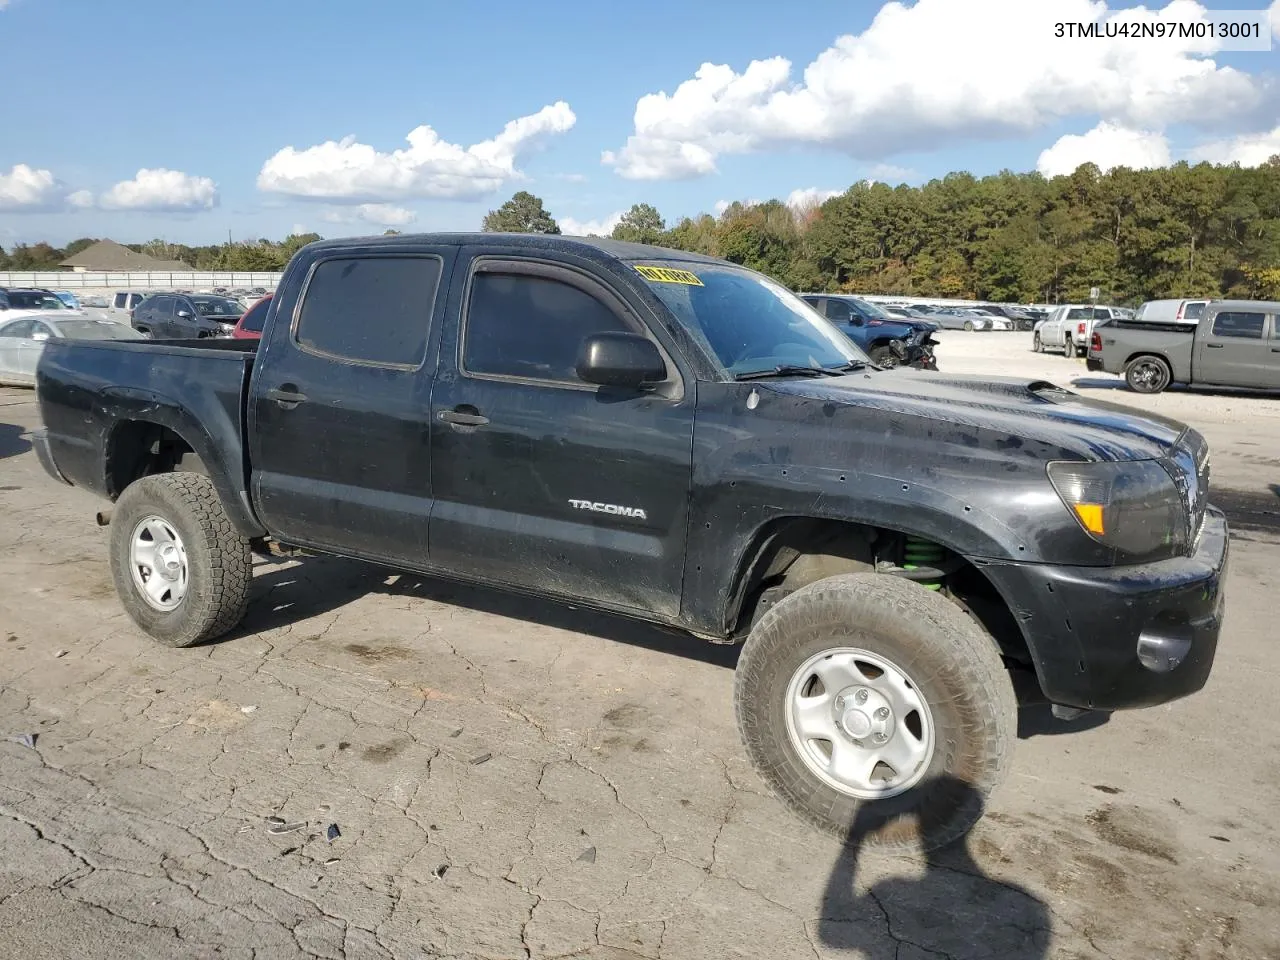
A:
x,y
620,360
184,314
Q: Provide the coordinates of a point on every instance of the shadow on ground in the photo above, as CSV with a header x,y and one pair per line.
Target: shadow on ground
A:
x,y
953,910
287,593
12,441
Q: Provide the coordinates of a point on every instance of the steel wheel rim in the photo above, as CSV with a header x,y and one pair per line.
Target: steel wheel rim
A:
x,y
877,727
158,563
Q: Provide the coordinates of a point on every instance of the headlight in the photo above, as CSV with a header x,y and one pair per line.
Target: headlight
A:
x,y
1131,506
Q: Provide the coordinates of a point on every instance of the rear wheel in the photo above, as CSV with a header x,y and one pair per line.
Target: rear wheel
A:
x,y
1147,374
181,569
877,710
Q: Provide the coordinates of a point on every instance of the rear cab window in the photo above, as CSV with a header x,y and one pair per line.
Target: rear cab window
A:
x,y
369,309
1194,309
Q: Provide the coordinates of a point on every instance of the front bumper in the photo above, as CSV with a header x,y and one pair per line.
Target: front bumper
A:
x,y
40,441
1086,626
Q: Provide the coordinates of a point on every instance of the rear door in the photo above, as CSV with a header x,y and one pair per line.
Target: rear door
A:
x,y
542,481
1234,350
156,317
339,431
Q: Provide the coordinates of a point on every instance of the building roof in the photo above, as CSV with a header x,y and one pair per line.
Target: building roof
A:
x,y
109,255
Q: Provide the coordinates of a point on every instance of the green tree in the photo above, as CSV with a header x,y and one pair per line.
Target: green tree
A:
x,y
523,213
641,224
75,246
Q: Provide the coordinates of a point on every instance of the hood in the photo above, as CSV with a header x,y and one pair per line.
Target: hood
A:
x,y
1026,409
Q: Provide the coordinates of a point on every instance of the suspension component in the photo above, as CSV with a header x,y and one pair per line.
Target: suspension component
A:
x,y
919,554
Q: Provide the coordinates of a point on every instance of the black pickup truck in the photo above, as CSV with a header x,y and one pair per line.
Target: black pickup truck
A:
x,y
678,439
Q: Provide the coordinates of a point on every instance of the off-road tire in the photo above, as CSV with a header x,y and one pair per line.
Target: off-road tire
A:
x,y
218,559
1133,374
955,667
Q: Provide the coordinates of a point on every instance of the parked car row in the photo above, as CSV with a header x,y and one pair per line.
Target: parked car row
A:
x,y
888,340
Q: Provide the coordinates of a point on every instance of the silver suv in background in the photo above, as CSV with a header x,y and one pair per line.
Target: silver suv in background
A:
x,y
1172,311
122,304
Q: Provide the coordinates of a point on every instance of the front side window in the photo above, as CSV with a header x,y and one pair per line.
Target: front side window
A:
x,y
1245,326
370,309
746,321
18,329
531,327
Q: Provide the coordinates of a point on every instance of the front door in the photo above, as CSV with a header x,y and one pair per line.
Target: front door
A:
x,y
542,481
339,434
1234,351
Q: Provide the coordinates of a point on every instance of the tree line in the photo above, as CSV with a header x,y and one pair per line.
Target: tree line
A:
x,y
248,255
1184,230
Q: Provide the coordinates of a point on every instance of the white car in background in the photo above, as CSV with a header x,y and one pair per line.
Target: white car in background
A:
x,y
22,338
1172,311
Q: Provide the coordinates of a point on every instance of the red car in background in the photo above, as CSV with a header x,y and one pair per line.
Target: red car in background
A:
x,y
249,326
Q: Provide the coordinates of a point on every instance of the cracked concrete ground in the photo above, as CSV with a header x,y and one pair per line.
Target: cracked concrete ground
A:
x,y
520,779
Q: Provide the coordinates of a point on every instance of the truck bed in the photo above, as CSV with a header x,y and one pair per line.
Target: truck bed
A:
x,y
88,389
1124,339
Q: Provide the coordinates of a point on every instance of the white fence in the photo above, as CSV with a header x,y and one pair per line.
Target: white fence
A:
x,y
188,280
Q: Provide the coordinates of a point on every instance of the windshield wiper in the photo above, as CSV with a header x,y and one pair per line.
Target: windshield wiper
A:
x,y
799,370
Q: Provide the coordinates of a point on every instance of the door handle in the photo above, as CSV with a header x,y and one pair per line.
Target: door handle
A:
x,y
287,396
1214,346
462,418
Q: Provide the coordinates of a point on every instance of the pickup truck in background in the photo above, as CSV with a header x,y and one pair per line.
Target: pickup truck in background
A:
x,y
1069,328
677,439
1235,343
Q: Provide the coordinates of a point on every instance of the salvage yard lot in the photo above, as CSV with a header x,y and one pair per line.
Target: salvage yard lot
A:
x,y
514,778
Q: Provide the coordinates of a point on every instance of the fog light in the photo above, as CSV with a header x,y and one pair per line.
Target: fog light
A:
x,y
1162,652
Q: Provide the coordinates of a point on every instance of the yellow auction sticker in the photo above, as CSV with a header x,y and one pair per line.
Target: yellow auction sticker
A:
x,y
668,275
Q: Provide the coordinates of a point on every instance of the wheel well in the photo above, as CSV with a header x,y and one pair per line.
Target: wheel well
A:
x,y
140,448
791,553
1147,353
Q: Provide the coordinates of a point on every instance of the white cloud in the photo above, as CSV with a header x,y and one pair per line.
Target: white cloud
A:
x,y
428,167
936,72
81,199
1248,150
585,228
806,198
889,173
27,188
378,214
1275,19
158,190
1107,145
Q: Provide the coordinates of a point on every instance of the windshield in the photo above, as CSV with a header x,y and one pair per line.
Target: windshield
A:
x,y
872,310
217,307
748,322
96,330
32,300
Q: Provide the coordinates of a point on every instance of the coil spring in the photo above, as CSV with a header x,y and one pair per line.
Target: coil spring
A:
x,y
923,553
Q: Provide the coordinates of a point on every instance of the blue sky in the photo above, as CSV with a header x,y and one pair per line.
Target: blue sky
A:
x,y
204,97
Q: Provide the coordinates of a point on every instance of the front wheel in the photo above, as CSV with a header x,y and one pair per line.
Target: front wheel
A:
x,y
968,325
181,569
1036,345
877,710
1147,374
883,357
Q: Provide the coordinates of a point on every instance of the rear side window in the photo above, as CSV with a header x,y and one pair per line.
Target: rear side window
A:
x,y
1246,326
531,327
370,309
